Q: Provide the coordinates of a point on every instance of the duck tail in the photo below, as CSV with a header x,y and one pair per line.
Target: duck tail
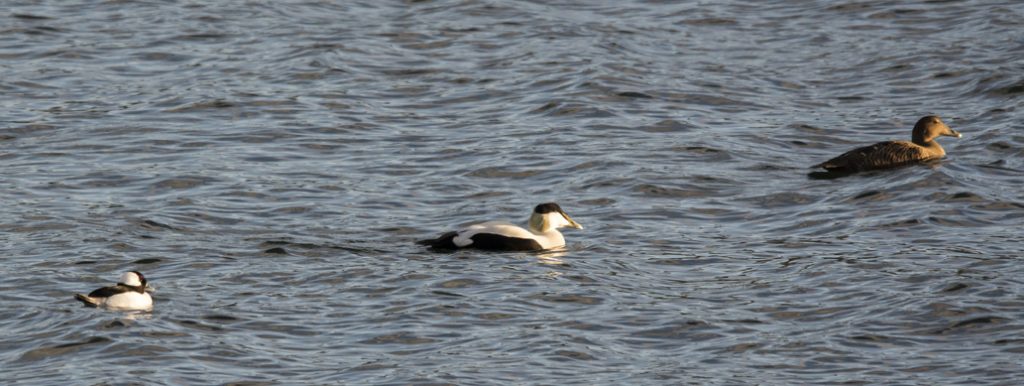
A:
x,y
443,242
87,300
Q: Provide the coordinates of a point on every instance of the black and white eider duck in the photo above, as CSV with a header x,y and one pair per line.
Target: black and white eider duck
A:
x,y
541,233
128,295
884,155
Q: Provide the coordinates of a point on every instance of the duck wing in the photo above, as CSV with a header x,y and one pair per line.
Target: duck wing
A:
x,y
492,235
878,156
107,292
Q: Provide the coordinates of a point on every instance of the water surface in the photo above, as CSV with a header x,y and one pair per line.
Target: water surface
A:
x,y
269,165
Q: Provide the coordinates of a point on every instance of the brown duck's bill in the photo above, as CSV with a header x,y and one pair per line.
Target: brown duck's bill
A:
x,y
954,133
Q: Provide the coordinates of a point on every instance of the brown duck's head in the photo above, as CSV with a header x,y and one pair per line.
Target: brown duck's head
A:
x,y
931,127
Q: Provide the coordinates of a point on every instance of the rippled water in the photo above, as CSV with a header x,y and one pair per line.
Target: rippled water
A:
x,y
268,165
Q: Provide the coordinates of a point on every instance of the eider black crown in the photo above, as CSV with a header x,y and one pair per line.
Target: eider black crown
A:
x,y
547,208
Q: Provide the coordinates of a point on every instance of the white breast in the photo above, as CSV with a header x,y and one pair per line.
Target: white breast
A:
x,y
128,301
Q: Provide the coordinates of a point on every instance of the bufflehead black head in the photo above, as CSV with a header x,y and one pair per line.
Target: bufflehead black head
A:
x,y
132,279
129,294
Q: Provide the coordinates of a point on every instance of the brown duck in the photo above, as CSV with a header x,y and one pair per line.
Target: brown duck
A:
x,y
889,154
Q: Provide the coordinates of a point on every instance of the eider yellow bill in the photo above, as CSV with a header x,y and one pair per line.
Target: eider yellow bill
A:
x,y
572,223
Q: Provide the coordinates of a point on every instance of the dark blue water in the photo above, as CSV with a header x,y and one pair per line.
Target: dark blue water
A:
x,y
268,166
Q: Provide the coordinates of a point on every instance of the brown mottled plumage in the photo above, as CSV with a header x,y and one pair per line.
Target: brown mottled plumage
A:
x,y
891,154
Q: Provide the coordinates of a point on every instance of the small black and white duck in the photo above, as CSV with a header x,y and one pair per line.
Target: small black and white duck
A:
x,y
884,155
541,233
128,295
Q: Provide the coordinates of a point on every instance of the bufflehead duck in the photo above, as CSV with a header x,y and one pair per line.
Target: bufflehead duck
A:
x,y
889,154
128,295
541,233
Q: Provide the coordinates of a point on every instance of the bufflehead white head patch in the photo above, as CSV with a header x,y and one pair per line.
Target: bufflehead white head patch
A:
x,y
132,278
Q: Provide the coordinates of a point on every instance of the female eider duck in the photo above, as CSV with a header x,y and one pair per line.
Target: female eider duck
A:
x,y
889,154
128,295
541,233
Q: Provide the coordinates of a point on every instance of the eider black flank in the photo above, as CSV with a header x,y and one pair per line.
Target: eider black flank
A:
x,y
495,242
547,208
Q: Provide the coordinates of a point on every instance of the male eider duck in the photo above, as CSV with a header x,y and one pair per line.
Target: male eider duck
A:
x,y
889,154
128,295
541,233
